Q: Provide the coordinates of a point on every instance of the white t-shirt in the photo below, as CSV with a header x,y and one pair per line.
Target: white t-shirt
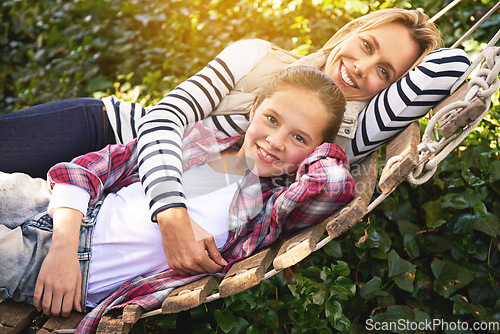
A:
x,y
126,244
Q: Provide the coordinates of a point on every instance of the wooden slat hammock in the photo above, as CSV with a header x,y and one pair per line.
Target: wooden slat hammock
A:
x,y
408,157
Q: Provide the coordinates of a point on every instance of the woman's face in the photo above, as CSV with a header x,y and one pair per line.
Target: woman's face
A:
x,y
369,61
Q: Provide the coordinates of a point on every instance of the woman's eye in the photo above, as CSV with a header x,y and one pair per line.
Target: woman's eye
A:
x,y
272,120
367,46
384,73
299,138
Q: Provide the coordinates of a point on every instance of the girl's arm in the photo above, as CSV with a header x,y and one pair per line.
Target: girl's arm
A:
x,y
407,100
322,185
109,169
58,286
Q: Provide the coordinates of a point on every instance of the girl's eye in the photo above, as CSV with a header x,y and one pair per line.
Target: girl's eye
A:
x,y
299,139
272,120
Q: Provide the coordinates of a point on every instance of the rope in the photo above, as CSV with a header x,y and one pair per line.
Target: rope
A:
x,y
483,85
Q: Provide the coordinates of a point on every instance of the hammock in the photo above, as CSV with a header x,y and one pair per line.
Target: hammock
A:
x,y
409,157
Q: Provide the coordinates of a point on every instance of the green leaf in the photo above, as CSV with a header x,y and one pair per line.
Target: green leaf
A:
x,y
436,244
480,208
489,223
371,288
341,268
401,271
450,277
311,272
333,311
454,200
271,318
434,213
411,246
462,306
225,319
343,288
333,249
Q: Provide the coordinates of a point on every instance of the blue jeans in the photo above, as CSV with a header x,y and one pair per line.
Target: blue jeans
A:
x,y
24,247
36,138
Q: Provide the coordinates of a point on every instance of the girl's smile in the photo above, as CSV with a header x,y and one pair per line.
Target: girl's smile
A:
x,y
284,129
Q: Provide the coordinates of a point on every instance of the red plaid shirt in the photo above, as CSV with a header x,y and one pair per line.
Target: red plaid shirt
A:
x,y
261,209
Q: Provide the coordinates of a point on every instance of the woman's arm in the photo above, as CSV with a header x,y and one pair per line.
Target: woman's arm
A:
x,y
160,135
160,132
406,100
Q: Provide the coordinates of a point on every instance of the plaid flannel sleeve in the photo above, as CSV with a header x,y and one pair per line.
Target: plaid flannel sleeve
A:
x,y
323,185
109,169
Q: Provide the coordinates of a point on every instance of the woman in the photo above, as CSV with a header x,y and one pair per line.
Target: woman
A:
x,y
362,58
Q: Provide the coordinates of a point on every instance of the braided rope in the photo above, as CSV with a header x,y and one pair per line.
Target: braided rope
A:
x,y
483,85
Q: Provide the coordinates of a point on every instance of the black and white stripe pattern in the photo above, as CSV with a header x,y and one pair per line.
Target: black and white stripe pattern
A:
x,y
406,100
161,130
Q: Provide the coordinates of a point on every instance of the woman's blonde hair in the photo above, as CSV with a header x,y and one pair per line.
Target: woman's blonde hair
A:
x,y
424,33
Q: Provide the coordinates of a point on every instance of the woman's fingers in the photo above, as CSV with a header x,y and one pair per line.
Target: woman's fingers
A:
x,y
214,253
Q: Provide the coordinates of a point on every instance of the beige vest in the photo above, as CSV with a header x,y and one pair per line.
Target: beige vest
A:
x,y
241,98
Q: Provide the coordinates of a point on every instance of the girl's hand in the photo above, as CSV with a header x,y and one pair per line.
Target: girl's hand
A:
x,y
190,250
58,286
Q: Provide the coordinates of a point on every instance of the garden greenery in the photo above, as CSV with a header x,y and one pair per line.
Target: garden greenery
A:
x,y
426,253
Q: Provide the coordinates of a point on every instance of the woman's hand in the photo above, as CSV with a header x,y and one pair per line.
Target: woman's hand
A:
x,y
189,248
58,286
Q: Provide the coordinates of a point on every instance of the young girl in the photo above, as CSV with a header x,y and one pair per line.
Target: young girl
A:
x,y
283,175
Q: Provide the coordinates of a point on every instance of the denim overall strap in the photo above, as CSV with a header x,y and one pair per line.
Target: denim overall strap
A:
x,y
85,247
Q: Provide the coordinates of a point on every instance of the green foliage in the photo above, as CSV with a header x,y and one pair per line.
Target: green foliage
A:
x,y
426,252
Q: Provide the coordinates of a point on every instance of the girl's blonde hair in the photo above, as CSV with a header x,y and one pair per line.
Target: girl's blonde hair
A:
x,y
423,32
317,83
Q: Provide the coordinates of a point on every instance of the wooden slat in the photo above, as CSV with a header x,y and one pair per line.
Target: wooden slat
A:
x,y
132,313
401,158
458,95
112,325
190,295
248,272
61,323
14,317
450,125
298,247
365,178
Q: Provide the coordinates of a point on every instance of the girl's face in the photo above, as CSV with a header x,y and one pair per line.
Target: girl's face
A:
x,y
369,61
284,129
